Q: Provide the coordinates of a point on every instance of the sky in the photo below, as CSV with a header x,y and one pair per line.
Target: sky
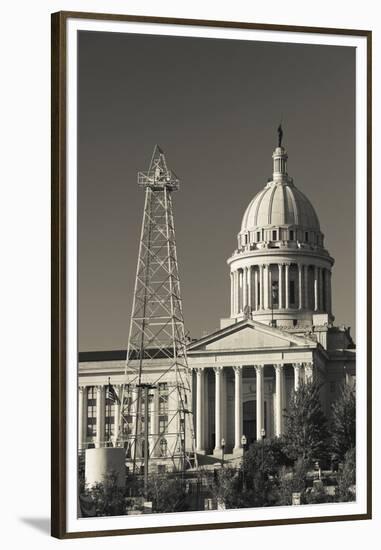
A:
x,y
213,106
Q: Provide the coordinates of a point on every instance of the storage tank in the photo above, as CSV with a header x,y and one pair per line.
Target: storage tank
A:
x,y
102,461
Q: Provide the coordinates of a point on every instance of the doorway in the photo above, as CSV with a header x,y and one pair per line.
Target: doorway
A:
x,y
250,421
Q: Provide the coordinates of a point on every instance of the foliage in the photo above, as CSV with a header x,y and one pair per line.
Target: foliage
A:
x,y
292,481
167,494
227,487
318,495
343,426
273,454
306,432
81,473
109,499
346,479
253,483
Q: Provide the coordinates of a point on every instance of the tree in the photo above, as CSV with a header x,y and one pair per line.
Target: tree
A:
x,y
343,425
346,479
272,452
306,432
253,484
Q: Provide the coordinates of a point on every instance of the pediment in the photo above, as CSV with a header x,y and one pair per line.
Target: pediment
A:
x,y
248,335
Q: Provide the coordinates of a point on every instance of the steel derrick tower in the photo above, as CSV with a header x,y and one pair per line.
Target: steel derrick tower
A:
x,y
156,410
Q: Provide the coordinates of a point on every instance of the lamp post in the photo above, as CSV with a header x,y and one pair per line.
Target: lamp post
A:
x,y
223,450
243,443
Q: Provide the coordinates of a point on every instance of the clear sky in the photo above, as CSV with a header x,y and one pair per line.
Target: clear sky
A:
x,y
214,107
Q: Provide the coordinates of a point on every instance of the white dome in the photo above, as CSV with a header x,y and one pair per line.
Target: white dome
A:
x,y
280,204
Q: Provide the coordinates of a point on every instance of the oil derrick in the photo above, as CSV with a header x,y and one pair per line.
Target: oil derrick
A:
x,y
156,417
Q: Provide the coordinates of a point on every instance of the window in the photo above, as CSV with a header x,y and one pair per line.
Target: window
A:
x,y
306,236
292,292
258,236
163,397
163,423
91,411
127,418
291,235
274,235
110,418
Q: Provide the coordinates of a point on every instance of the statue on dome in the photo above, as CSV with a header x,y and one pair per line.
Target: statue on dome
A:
x,y
280,135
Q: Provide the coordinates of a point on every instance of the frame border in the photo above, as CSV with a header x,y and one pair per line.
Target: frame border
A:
x,y
58,273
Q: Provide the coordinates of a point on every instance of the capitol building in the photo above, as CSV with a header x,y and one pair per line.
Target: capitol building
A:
x,y
280,333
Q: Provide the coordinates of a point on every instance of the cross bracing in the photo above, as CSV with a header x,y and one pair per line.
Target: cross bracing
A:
x,y
156,410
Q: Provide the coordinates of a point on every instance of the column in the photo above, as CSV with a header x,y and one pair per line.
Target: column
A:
x,y
256,297
321,290
82,417
306,297
297,367
100,418
118,391
316,296
154,445
237,409
326,298
280,285
266,287
249,289
279,386
300,303
329,283
240,290
136,428
231,294
308,372
218,374
244,289
260,402
287,286
223,405
199,410
236,292
261,287
206,406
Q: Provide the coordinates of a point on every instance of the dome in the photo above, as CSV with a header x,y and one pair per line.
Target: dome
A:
x,y
279,204
280,271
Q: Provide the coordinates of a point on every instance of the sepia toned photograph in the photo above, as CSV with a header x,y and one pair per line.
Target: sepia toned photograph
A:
x,y
216,317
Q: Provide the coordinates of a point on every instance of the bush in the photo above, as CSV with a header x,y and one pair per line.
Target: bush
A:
x,y
292,481
167,494
318,495
109,499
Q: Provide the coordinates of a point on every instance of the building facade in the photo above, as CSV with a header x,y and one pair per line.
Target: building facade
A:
x,y
280,333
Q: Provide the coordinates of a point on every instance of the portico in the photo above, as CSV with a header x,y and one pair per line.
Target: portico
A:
x,y
248,371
